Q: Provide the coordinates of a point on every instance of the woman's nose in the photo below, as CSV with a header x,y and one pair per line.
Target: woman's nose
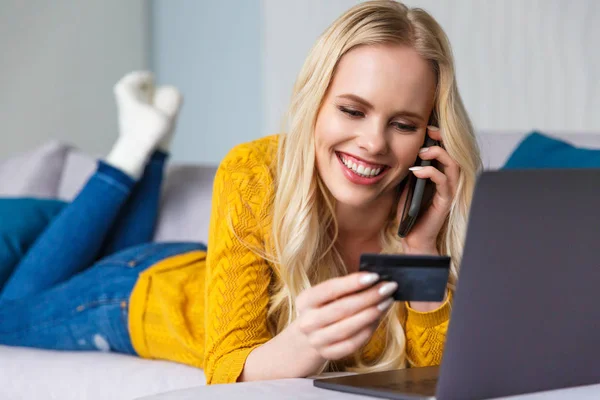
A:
x,y
373,140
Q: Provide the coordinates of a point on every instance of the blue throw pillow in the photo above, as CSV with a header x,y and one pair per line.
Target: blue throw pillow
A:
x,y
22,220
541,151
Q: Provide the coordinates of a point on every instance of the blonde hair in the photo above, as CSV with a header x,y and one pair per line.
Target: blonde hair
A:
x,y
304,227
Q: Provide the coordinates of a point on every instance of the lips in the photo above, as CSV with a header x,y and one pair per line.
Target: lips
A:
x,y
361,167
360,171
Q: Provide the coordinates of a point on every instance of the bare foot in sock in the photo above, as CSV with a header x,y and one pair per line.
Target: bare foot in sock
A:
x,y
142,124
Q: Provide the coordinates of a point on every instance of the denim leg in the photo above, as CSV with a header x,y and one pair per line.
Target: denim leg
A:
x,y
73,239
90,311
87,312
136,222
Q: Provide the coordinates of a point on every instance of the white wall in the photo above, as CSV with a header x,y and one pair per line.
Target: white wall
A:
x,y
59,62
211,50
521,64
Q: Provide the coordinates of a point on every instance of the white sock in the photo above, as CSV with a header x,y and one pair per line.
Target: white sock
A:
x,y
168,100
129,156
141,125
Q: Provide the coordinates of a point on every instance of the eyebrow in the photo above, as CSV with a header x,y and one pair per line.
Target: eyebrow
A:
x,y
358,99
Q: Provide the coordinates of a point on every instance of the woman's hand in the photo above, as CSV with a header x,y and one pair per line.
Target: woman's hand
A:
x,y
337,317
422,238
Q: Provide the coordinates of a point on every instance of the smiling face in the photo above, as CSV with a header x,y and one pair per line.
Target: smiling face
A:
x,y
372,122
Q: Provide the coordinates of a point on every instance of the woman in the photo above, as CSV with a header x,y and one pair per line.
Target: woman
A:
x,y
279,294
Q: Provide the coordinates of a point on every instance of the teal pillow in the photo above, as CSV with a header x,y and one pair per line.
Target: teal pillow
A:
x,y
542,151
22,220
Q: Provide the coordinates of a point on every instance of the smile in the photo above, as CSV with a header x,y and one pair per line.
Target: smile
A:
x,y
364,172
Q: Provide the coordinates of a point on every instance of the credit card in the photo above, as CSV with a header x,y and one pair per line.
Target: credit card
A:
x,y
419,278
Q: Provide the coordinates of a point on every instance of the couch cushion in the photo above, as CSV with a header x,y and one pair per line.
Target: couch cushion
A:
x,y
79,166
185,204
185,201
35,173
496,147
542,151
46,374
23,219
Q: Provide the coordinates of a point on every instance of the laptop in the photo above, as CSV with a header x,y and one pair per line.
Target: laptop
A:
x,y
527,304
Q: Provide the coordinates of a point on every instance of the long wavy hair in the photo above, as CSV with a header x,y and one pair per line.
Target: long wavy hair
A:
x,y
304,229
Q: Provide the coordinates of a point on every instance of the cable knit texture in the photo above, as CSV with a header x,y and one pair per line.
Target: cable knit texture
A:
x,y
212,312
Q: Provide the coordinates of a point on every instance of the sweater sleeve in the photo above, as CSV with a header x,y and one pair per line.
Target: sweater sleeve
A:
x,y
238,277
426,334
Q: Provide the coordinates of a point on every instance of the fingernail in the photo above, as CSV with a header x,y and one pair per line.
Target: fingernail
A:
x,y
423,150
432,128
388,288
415,168
368,279
384,305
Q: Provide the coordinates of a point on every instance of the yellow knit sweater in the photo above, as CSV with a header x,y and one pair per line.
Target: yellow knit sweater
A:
x,y
210,310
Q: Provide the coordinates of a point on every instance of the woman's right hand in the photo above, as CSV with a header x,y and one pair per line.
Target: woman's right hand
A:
x,y
338,317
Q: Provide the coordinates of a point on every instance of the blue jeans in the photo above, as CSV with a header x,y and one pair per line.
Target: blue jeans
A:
x,y
54,299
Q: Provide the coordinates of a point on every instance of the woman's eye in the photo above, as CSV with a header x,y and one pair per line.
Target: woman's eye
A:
x,y
351,112
405,127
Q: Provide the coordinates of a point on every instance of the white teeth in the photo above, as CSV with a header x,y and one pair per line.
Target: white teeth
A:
x,y
360,169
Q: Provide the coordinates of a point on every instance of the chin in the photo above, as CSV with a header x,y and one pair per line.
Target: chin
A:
x,y
353,198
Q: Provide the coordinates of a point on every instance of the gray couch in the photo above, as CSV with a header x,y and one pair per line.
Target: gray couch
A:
x,y
56,170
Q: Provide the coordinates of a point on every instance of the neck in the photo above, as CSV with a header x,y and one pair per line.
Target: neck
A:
x,y
360,229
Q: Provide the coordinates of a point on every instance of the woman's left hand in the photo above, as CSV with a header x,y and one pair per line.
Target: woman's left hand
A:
x,y
422,238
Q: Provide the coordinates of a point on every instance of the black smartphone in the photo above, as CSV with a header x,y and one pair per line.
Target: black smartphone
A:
x,y
419,278
419,195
